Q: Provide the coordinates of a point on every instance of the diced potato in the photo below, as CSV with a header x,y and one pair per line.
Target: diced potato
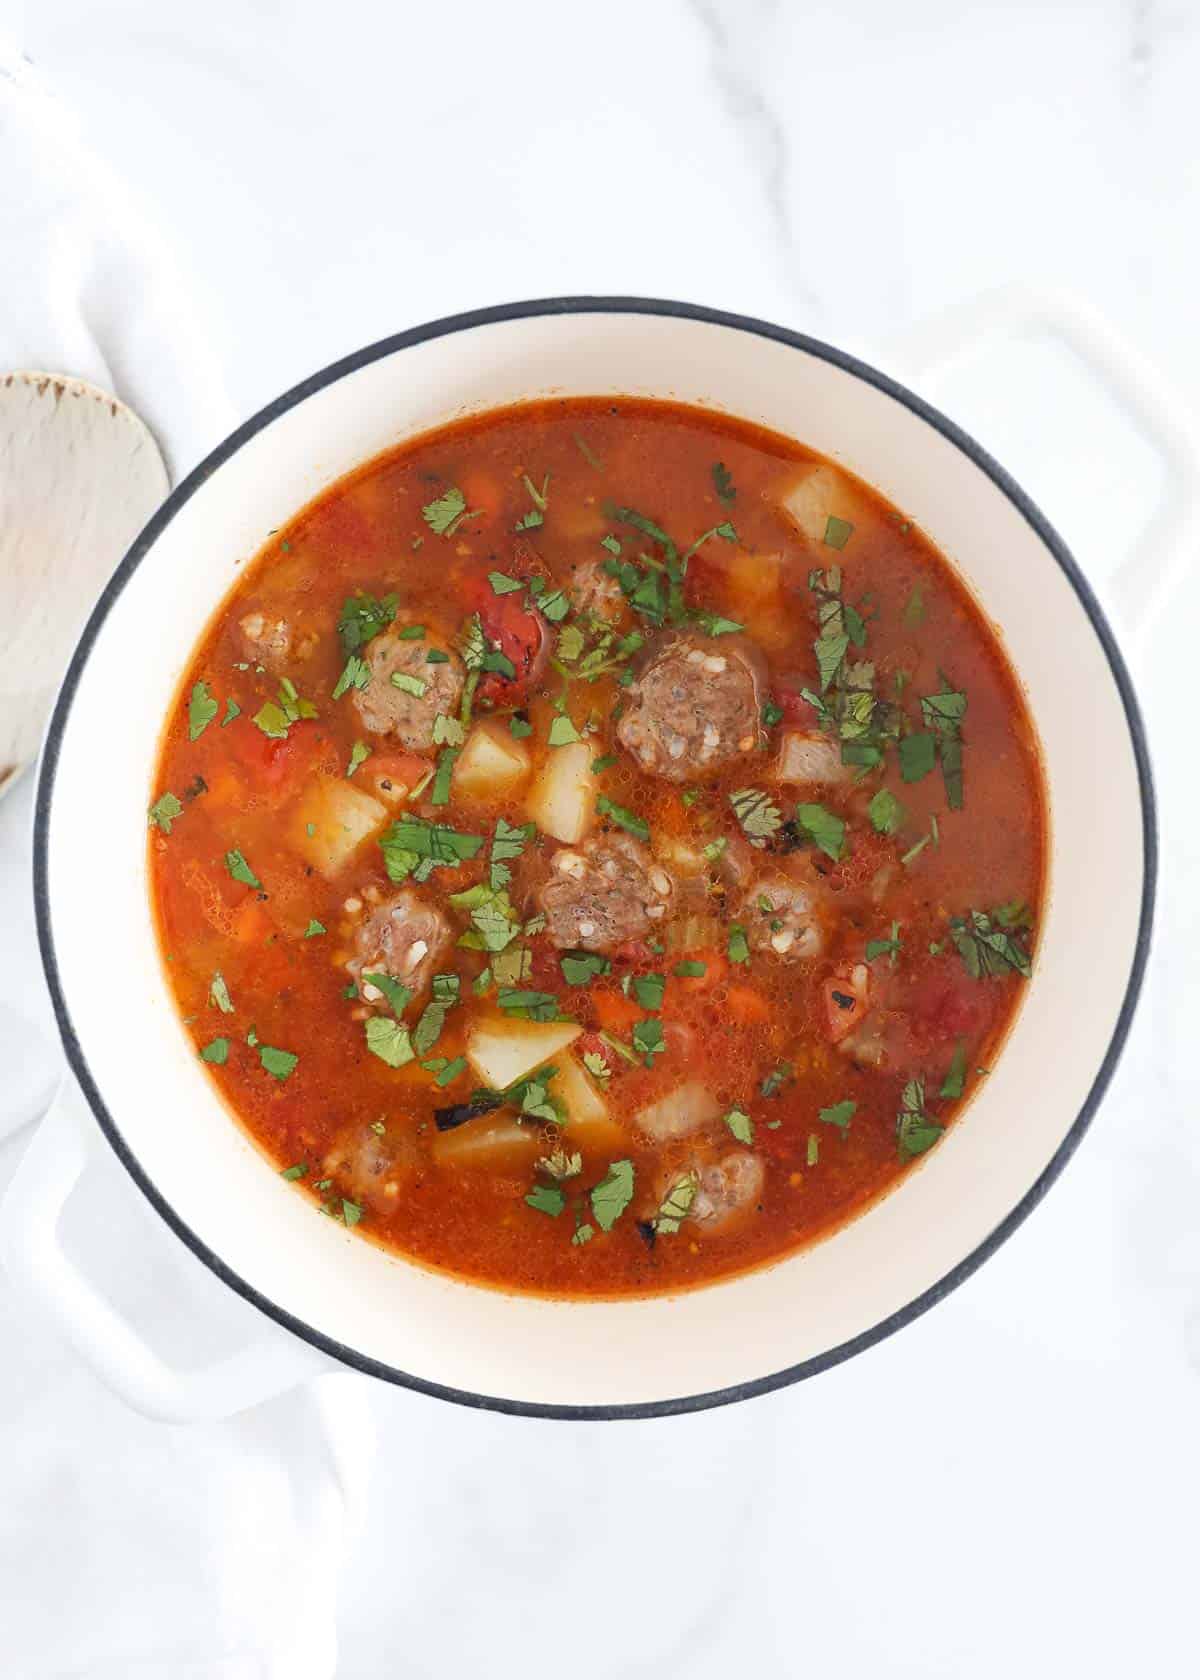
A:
x,y
590,1126
755,588
497,1142
492,764
808,756
686,1109
679,855
562,801
340,817
820,492
502,1051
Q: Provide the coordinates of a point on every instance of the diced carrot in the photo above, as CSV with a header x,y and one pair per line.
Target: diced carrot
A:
x,y
483,496
251,923
614,1011
747,1006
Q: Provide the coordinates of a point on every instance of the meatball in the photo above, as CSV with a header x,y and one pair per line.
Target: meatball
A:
x,y
694,707
726,1189
271,642
407,709
607,891
402,936
783,916
593,590
369,1165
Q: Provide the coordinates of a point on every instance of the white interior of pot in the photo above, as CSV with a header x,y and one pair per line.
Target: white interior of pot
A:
x,y
437,1328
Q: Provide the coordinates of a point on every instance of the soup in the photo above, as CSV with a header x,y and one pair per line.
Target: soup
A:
x,y
598,848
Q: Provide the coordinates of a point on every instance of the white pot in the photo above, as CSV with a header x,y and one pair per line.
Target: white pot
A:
x,y
153,1101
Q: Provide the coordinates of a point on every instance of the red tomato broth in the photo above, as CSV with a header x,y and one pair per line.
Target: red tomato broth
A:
x,y
240,790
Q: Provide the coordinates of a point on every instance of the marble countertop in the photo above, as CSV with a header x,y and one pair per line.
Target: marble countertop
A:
x,y
1009,1485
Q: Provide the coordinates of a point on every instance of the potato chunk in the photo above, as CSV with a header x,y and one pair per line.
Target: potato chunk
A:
x,y
562,801
496,1142
340,817
590,1125
503,1051
819,493
491,765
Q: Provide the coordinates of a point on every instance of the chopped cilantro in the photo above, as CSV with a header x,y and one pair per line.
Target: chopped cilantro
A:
x,y
777,1077
739,950
956,1073
649,989
723,483
837,531
519,727
359,753
562,731
648,1040
232,710
415,686
164,811
278,1063
446,513
823,828
916,756
758,816
356,673
740,1124
202,709
293,1173
613,1194
771,714
625,819
399,997
580,968
388,1040
813,1152
502,584
547,1198
986,947
676,1205
915,1131
886,812
362,618
838,1114
690,970
237,866
216,1052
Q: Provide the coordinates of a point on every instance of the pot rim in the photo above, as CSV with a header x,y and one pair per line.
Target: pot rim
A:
x,y
489,316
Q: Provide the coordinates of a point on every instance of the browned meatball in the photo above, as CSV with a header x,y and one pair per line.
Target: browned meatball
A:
x,y
717,1192
272,642
592,590
370,1165
407,709
783,916
604,892
694,707
402,936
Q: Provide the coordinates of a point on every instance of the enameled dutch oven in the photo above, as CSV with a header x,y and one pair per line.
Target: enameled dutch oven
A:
x,y
343,1299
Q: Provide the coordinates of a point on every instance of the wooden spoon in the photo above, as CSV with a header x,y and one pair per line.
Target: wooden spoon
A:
x,y
80,475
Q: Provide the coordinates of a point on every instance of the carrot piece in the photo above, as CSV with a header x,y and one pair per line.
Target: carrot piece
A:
x,y
251,922
747,1006
484,498
614,1011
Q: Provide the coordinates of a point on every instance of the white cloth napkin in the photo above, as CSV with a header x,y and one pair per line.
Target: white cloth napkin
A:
x,y
127,1548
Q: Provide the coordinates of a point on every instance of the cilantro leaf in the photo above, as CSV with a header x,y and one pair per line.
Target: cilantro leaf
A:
x,y
886,812
723,483
165,809
399,997
649,989
613,1194
916,756
359,753
838,1114
738,948
837,531
915,1131
278,1063
216,1052
237,866
502,584
388,1040
986,948
547,1198
314,928
740,1124
956,1073
562,731
624,818
756,813
361,619
823,828
676,1205
446,512
202,709
648,1040
580,968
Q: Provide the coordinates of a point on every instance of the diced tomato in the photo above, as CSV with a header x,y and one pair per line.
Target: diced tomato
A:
x,y
519,631
545,973
795,708
484,498
635,953
591,1044
847,999
947,1008
273,762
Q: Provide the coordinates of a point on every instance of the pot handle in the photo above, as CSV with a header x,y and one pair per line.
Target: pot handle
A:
x,y
1137,590
35,1261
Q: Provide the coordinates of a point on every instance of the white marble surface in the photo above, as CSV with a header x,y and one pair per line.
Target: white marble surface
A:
x,y
1010,1484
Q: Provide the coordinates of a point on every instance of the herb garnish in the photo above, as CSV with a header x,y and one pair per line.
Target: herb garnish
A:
x,y
613,1194
625,819
676,1205
202,709
164,811
989,943
756,813
362,618
823,828
740,1124
723,483
237,866
278,1063
915,1131
838,1114
446,512
388,1040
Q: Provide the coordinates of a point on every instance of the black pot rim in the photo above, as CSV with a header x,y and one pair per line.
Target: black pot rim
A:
x,y
587,306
